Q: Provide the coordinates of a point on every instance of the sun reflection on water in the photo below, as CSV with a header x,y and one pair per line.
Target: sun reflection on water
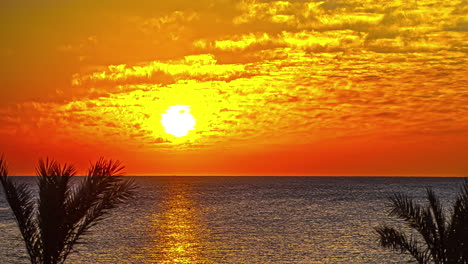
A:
x,y
180,234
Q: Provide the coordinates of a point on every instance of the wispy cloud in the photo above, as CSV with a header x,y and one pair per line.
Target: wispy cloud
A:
x,y
201,67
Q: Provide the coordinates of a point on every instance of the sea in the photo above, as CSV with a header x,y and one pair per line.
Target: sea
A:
x,y
243,220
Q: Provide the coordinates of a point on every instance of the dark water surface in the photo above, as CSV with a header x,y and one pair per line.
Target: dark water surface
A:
x,y
243,220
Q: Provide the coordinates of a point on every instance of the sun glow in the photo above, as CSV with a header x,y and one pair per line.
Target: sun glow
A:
x,y
178,121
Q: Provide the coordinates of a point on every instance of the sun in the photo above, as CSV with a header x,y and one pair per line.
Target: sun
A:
x,y
178,121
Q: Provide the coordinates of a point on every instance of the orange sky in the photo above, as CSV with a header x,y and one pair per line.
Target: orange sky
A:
x,y
334,87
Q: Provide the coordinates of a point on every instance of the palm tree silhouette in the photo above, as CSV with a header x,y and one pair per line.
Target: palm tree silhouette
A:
x,y
444,239
65,208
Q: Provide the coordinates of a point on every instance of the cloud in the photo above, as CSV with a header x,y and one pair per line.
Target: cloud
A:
x,y
386,26
254,47
171,27
202,67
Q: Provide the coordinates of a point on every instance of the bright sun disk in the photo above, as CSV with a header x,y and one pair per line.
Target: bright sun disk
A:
x,y
177,120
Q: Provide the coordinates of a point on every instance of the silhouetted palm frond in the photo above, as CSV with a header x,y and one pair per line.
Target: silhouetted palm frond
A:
x,y
21,201
397,240
65,210
98,193
444,240
458,228
53,181
106,168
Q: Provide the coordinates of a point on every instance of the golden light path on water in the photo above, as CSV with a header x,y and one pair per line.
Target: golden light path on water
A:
x,y
178,234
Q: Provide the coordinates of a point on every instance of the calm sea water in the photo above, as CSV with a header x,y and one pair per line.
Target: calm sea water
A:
x,y
243,220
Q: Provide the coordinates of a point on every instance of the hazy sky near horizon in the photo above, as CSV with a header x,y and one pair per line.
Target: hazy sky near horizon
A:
x,y
329,87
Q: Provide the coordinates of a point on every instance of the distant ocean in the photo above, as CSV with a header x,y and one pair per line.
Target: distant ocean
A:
x,y
243,220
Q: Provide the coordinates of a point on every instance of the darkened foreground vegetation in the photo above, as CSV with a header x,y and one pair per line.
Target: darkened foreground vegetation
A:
x,y
440,239
64,210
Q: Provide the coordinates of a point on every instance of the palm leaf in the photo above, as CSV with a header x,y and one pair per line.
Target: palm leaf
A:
x,y
89,203
53,181
397,240
445,240
458,228
436,216
21,201
415,216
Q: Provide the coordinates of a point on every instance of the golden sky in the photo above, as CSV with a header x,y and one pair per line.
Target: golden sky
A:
x,y
333,87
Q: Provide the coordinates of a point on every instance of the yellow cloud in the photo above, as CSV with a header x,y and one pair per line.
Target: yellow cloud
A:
x,y
318,41
193,66
241,42
276,12
395,22
172,21
310,38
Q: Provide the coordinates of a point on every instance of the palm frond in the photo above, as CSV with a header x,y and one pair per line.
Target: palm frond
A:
x,y
414,215
116,195
53,183
445,240
102,175
101,191
3,167
458,228
397,240
436,217
106,168
21,201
